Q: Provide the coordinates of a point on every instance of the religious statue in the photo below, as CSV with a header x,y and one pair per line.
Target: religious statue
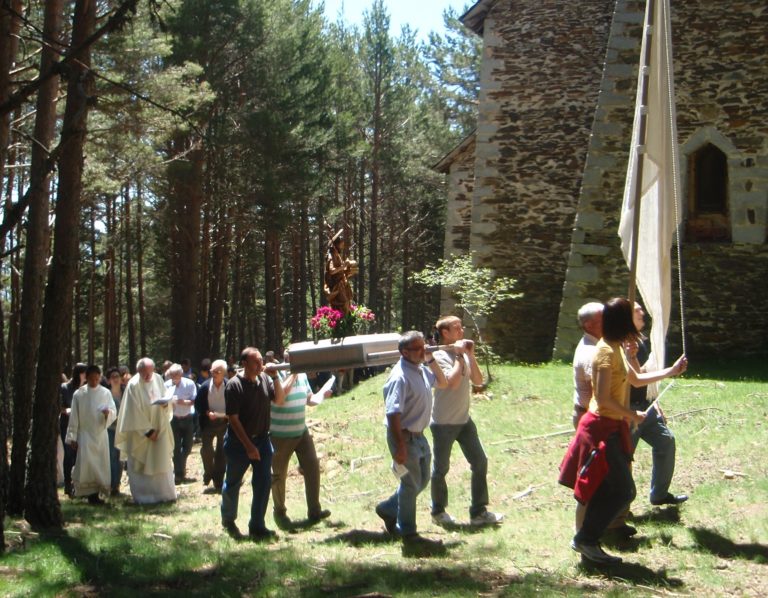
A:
x,y
338,271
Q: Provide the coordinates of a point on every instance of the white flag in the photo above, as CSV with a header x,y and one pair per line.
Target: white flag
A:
x,y
660,180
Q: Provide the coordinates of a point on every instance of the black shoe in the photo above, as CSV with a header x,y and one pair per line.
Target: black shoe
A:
x,y
670,499
625,531
282,520
594,553
231,528
95,499
262,535
390,523
323,514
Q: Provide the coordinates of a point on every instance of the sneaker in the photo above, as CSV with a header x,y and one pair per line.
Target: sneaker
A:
x,y
443,519
670,499
594,553
323,514
390,523
487,518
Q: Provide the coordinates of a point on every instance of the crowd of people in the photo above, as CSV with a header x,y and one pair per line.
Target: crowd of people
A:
x,y
254,417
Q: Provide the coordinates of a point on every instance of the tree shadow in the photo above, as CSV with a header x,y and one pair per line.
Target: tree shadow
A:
x,y
624,544
726,548
362,537
631,572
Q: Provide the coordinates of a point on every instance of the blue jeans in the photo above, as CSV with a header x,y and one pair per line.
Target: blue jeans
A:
x,y
261,480
402,504
655,432
443,437
116,472
183,437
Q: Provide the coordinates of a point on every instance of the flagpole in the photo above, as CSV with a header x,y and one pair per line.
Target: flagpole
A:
x,y
643,124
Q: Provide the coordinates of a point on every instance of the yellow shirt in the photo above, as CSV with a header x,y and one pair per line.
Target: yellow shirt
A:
x,y
610,360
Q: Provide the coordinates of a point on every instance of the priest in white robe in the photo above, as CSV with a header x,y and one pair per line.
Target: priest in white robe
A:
x,y
93,411
144,435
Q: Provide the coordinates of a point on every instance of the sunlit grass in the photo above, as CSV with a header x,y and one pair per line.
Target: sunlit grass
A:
x,y
714,545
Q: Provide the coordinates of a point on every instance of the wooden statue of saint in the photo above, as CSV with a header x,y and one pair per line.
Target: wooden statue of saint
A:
x,y
338,271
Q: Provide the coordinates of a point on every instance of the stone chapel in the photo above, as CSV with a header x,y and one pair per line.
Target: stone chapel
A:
x,y
535,192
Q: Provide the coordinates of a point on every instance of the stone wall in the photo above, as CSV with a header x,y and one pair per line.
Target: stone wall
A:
x,y
721,77
541,73
459,166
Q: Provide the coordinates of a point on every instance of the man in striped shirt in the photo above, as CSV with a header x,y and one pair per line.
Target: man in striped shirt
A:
x,y
290,435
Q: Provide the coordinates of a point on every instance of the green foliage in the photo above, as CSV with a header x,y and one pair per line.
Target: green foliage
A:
x,y
476,290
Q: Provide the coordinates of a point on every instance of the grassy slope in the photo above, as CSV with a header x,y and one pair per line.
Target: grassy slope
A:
x,y
716,544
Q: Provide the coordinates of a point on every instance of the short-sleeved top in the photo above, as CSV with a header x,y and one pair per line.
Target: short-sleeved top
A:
x,y
250,401
610,358
187,390
582,370
289,419
451,406
408,391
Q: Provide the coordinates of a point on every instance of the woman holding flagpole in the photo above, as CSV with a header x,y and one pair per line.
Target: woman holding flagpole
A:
x,y
597,463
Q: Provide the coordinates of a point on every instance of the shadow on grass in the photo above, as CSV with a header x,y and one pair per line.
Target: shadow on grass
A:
x,y
439,580
669,514
726,548
631,572
362,537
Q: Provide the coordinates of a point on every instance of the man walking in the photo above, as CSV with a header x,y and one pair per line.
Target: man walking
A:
x,y
451,423
184,392
248,397
653,430
408,404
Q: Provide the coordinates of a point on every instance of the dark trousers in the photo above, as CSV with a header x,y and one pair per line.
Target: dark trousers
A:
x,y
237,465
70,455
183,436
612,497
116,472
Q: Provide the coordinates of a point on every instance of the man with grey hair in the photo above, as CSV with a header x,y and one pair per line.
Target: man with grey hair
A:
x,y
590,317
211,407
184,392
408,407
144,436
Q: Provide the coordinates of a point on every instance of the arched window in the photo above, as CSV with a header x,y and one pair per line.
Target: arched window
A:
x,y
708,195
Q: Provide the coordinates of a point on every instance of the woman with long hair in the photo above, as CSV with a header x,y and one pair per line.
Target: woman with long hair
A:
x,y
603,436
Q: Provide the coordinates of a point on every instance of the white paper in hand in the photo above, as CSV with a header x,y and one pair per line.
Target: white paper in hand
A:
x,y
399,470
319,396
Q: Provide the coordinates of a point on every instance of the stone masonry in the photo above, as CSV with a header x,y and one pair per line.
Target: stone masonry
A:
x,y
550,156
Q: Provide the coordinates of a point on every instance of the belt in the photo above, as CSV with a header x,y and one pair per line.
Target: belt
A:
x,y
413,434
182,416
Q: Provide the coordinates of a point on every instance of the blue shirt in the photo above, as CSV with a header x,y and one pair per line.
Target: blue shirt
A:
x,y
185,390
408,391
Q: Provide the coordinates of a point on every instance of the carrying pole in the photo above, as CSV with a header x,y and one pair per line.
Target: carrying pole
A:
x,y
645,65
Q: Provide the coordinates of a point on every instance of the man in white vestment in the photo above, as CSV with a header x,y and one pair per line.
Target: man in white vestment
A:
x,y
144,435
93,411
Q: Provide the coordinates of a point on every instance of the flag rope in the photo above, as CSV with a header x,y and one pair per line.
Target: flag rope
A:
x,y
675,177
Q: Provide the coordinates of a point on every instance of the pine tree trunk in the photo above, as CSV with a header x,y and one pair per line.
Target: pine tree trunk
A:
x,y
272,289
140,276
33,278
9,43
130,317
186,196
92,294
42,507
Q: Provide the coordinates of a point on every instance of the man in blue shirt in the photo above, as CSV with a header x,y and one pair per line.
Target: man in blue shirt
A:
x,y
408,405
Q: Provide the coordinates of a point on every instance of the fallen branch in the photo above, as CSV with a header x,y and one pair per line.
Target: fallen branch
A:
x,y
360,460
523,494
674,415
550,435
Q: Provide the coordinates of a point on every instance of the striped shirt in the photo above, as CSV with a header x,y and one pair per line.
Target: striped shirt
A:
x,y
288,420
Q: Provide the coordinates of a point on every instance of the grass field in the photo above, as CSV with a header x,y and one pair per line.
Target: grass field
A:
x,y
716,544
